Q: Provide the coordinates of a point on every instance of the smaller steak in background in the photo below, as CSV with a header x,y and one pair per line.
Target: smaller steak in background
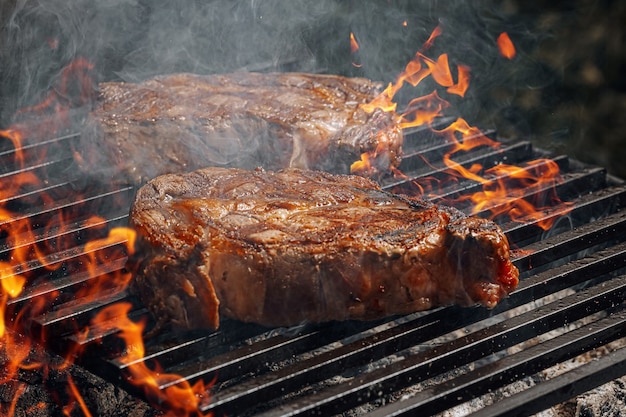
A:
x,y
281,248
181,122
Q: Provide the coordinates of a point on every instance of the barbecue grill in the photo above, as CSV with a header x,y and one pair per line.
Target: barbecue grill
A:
x,y
568,309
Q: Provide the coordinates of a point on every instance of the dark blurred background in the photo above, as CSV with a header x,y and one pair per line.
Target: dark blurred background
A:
x,y
576,102
564,90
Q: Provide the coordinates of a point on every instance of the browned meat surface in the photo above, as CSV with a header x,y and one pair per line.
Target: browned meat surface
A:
x,y
182,122
280,248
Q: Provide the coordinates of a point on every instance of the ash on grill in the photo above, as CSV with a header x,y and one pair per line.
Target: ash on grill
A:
x,y
568,312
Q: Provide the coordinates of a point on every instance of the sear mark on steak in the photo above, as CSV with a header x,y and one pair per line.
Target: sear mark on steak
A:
x,y
281,248
181,122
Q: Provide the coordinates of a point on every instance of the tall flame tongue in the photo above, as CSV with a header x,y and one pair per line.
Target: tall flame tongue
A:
x,y
503,185
179,397
32,249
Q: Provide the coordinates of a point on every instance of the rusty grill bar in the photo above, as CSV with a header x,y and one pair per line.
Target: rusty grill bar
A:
x,y
570,302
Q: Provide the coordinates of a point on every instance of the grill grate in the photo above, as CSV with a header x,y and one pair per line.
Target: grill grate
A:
x,y
570,302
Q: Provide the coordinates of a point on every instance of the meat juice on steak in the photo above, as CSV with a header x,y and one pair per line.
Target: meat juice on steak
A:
x,y
181,122
281,248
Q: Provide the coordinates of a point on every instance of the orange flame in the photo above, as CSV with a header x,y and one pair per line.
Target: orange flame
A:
x,y
504,186
463,84
507,197
354,49
61,98
30,249
462,128
179,398
12,281
354,46
75,396
416,71
174,395
500,196
431,39
98,252
505,46
423,110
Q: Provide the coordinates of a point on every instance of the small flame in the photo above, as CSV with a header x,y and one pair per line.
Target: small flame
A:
x,y
431,39
463,84
461,128
423,110
354,49
354,45
504,186
419,68
505,46
75,396
98,252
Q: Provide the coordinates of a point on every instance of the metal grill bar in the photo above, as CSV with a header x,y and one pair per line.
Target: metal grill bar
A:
x,y
588,208
516,366
415,167
562,388
447,357
570,244
336,360
570,274
256,357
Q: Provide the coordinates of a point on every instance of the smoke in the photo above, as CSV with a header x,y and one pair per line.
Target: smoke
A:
x,y
217,37
40,38
132,40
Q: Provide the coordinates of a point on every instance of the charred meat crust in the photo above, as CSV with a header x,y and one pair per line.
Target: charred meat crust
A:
x,y
181,122
280,248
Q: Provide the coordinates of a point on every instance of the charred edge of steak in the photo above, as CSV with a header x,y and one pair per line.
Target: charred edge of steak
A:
x,y
282,248
482,253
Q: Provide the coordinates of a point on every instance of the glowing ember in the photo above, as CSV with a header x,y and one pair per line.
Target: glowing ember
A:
x,y
505,46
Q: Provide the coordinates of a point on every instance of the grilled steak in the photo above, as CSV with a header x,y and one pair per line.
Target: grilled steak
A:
x,y
182,122
280,248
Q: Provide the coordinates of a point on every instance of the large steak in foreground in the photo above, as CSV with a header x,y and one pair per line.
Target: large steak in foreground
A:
x,y
181,122
281,248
